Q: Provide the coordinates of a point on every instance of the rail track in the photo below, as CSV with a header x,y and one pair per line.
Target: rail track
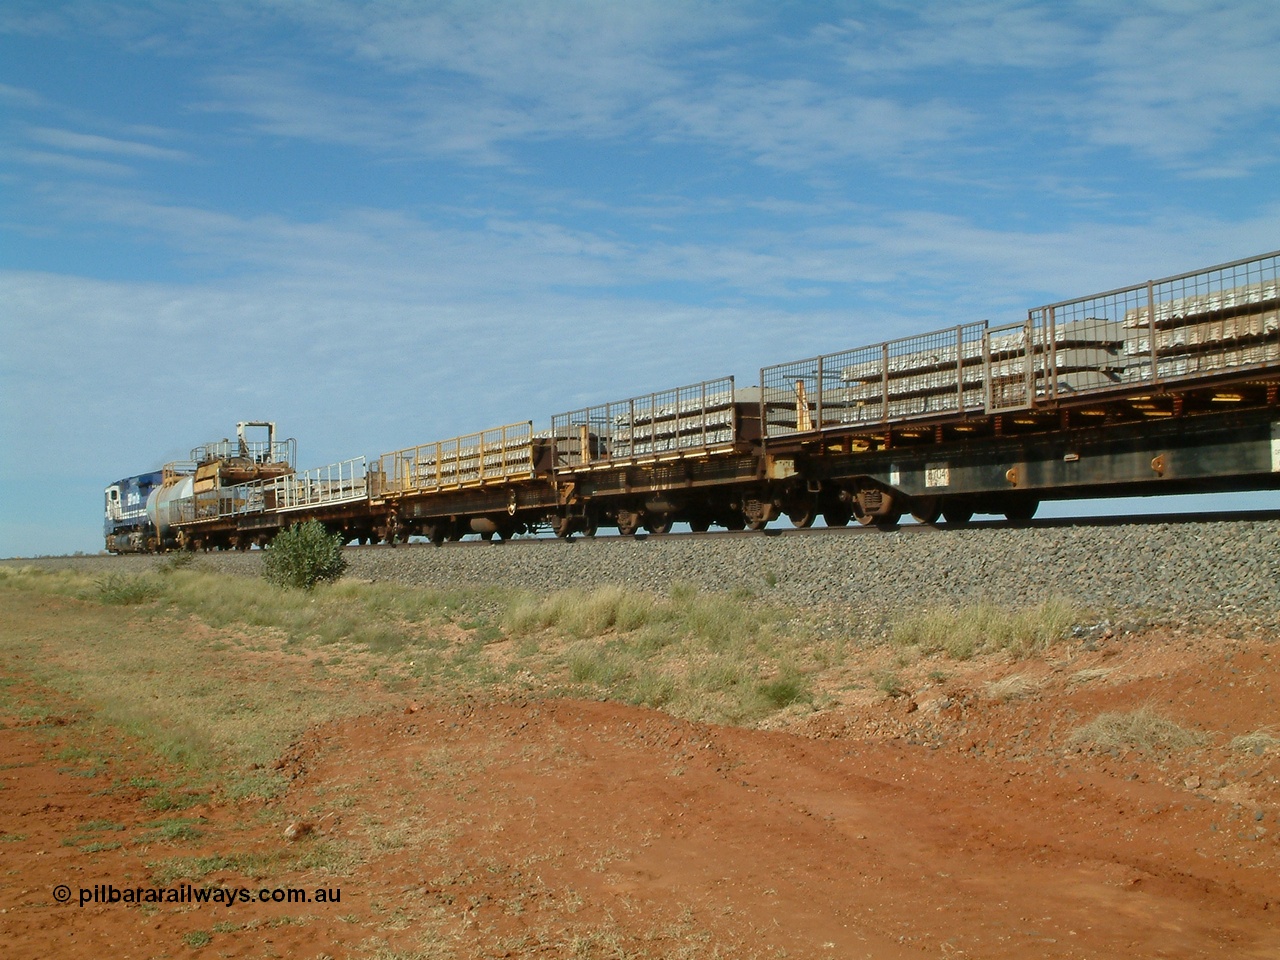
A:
x,y
910,527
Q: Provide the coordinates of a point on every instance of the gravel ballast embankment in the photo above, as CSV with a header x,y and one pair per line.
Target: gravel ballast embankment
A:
x,y
1201,571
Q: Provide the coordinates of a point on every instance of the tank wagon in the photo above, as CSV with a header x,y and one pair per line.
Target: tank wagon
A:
x,y
1169,386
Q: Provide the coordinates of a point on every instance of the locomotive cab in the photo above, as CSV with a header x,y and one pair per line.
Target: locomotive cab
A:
x,y
126,527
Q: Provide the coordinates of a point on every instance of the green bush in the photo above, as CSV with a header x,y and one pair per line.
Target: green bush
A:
x,y
304,555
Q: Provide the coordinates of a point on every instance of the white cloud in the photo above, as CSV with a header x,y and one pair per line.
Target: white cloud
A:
x,y
798,124
1181,84
92,143
81,166
21,97
1185,83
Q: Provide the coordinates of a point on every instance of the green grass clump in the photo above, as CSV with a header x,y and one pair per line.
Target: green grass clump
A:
x,y
985,628
119,589
304,555
788,688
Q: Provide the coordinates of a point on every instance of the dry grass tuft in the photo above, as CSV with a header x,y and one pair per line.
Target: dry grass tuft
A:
x,y
1259,742
1143,729
1013,687
985,628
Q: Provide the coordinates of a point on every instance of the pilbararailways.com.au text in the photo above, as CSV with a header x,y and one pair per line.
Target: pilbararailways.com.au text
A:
x,y
108,893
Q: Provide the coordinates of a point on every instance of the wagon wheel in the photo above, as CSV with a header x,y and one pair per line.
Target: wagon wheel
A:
x,y
837,515
957,514
759,524
888,521
1020,511
564,528
926,509
700,524
803,514
626,528
589,527
735,521
658,524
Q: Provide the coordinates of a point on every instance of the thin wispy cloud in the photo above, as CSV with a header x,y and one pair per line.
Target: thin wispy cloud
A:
x,y
84,166
92,143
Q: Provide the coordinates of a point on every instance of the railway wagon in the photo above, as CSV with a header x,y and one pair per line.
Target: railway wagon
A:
x,y
1165,387
1169,386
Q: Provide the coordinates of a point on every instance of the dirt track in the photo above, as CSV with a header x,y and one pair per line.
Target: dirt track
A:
x,y
954,824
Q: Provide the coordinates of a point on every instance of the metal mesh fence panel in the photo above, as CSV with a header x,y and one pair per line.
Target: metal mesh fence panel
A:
x,y
700,416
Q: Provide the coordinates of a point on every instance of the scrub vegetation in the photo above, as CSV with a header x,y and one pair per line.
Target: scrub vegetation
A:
x,y
304,555
160,653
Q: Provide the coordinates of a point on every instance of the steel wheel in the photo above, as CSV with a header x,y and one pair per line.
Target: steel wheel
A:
x,y
803,515
658,525
957,514
1020,511
837,515
926,509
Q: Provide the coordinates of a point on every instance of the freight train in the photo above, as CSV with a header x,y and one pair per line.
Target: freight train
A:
x,y
1169,386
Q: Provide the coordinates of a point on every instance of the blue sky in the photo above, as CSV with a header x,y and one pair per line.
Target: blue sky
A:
x,y
382,224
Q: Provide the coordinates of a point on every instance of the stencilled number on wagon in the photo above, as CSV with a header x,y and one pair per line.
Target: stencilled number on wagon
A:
x,y
937,476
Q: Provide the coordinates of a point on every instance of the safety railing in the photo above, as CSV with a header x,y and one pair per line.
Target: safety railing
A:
x,y
1217,320
257,451
499,455
667,423
930,375
344,482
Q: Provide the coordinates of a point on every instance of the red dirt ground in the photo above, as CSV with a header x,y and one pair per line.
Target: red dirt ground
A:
x,y
951,823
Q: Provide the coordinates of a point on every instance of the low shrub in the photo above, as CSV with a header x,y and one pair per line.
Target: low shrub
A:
x,y
304,555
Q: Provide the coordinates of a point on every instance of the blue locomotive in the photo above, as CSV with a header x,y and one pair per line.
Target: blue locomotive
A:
x,y
126,526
